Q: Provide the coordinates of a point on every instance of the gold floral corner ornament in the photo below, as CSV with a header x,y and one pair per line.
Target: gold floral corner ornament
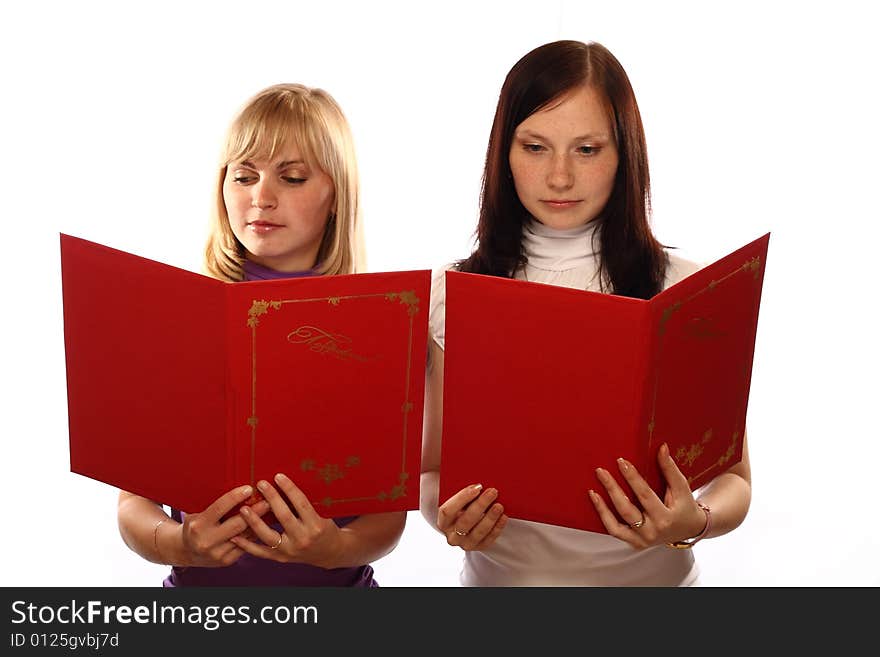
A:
x,y
397,491
688,455
407,298
260,308
754,266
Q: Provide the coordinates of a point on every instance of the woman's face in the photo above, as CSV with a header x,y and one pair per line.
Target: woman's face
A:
x,y
278,209
564,160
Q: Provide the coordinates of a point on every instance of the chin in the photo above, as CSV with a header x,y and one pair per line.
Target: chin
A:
x,y
562,223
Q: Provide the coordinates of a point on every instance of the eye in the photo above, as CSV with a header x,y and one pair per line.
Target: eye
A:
x,y
588,150
243,179
533,148
292,180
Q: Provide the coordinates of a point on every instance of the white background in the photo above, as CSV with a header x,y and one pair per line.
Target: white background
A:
x,y
760,117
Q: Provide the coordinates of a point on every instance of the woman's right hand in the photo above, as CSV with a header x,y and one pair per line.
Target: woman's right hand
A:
x,y
205,536
472,519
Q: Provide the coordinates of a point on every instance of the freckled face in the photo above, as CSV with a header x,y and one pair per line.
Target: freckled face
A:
x,y
564,160
279,209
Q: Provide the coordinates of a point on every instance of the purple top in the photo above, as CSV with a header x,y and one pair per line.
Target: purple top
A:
x,y
254,571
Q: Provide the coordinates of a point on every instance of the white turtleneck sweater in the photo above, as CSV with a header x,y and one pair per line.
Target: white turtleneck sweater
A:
x,y
535,554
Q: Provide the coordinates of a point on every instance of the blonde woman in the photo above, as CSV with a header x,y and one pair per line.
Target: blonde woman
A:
x,y
287,206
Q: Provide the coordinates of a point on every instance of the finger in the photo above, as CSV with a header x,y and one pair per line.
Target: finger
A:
x,y
628,511
612,524
493,534
261,530
255,549
279,505
229,553
674,476
260,508
226,502
478,531
468,520
298,499
645,494
452,508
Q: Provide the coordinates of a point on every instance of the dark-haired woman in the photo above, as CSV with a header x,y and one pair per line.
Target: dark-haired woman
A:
x,y
566,201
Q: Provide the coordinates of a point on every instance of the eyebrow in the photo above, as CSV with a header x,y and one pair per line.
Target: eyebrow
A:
x,y
538,135
281,165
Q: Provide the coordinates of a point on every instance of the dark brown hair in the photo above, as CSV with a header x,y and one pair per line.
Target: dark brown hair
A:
x,y
632,260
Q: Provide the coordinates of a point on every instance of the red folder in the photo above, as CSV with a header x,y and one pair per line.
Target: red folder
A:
x,y
543,384
181,387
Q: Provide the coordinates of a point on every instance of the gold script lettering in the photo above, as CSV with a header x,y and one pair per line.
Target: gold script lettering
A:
x,y
322,342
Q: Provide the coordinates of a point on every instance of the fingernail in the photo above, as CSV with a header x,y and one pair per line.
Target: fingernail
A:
x,y
262,485
601,472
478,487
281,478
492,492
245,511
245,491
623,464
592,494
664,449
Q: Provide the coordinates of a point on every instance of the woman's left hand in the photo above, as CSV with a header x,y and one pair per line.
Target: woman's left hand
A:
x,y
675,518
306,537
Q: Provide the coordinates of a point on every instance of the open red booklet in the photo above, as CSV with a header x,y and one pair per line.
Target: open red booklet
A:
x,y
544,384
181,387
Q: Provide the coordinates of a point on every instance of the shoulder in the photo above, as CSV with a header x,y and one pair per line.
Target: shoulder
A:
x,y
680,266
437,314
438,278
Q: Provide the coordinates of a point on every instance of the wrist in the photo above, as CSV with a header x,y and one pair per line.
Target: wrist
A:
x,y
688,543
169,544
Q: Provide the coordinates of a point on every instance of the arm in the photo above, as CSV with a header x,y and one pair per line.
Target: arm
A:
x,y
307,537
678,516
201,540
470,519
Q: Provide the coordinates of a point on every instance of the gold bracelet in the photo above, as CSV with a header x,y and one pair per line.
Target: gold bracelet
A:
x,y
688,543
156,539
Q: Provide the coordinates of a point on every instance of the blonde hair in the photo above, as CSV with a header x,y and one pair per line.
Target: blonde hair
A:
x,y
311,119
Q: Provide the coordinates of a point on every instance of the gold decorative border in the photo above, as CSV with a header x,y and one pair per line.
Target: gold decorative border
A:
x,y
753,266
410,302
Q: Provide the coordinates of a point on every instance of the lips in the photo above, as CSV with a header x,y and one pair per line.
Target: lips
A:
x,y
263,226
560,203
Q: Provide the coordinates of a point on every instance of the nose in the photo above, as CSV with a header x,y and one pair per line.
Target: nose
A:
x,y
560,175
263,195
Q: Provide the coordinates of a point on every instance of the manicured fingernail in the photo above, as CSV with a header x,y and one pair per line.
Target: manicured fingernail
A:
x,y
245,491
602,473
478,487
263,485
281,478
624,465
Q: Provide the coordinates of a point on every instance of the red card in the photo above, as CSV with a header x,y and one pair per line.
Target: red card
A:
x,y
181,387
544,384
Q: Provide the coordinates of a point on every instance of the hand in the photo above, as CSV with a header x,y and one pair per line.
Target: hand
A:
x,y
675,518
206,537
471,519
306,537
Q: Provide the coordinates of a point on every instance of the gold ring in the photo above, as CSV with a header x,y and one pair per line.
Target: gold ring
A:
x,y
461,533
278,544
636,525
